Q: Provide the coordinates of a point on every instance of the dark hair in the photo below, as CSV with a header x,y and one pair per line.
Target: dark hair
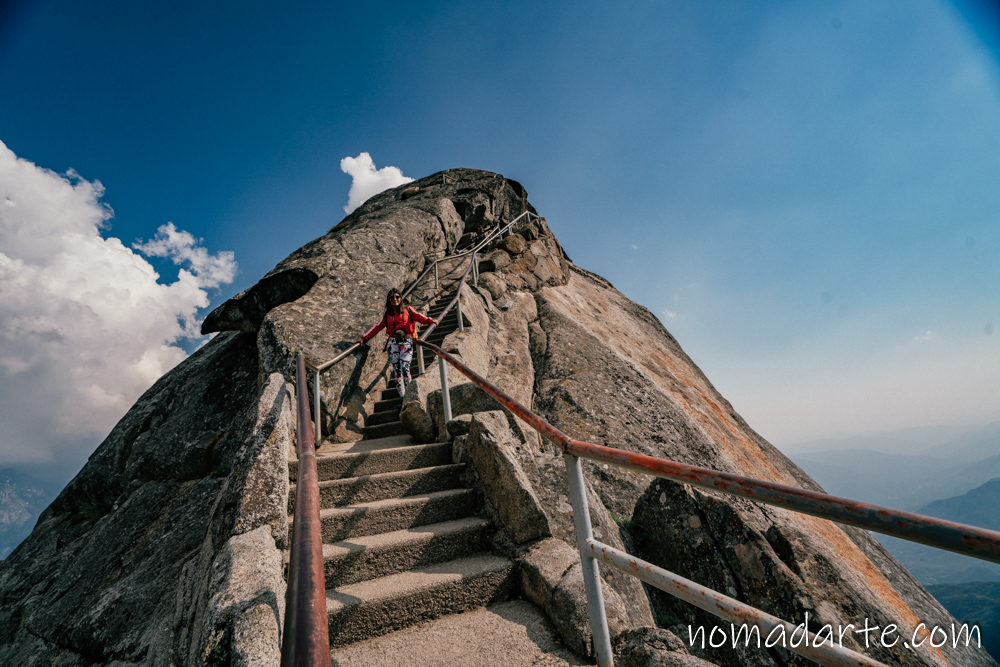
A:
x,y
391,308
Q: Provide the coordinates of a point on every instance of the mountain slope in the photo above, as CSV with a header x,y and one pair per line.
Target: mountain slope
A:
x,y
167,547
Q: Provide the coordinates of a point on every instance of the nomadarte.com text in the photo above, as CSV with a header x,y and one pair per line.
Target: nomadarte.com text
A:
x,y
779,635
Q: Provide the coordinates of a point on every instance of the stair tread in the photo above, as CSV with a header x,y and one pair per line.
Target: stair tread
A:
x,y
383,417
413,581
375,505
362,446
386,430
376,476
389,455
407,536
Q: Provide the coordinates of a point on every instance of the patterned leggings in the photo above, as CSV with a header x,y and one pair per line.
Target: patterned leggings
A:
x,y
400,355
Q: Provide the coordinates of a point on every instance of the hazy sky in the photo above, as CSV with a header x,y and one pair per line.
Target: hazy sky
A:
x,y
807,194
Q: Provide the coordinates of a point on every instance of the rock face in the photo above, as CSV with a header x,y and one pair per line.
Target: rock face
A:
x,y
133,563
165,550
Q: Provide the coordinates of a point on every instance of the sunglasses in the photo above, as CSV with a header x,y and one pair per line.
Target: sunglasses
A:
x,y
395,297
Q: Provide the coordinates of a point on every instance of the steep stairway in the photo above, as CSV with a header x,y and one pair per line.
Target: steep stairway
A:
x,y
402,541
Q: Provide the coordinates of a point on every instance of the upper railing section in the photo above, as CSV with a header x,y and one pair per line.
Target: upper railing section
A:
x,y
498,232
495,234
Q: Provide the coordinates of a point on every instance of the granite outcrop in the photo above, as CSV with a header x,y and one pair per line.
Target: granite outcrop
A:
x,y
166,548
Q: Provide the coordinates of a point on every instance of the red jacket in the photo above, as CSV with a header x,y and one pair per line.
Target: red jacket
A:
x,y
403,322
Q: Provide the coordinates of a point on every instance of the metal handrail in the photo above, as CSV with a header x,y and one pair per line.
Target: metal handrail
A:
x,y
479,246
968,540
473,265
305,638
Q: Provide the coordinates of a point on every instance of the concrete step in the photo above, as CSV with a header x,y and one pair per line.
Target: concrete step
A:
x,y
513,634
380,486
394,403
384,430
365,445
384,417
383,516
371,457
379,606
374,556
390,394
441,332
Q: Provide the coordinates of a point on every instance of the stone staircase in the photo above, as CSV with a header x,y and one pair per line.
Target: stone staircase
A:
x,y
402,539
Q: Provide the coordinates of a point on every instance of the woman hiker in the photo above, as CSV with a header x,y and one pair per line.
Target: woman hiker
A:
x,y
398,322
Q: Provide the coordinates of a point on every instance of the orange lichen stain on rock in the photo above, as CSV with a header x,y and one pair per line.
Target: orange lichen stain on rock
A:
x,y
829,539
630,339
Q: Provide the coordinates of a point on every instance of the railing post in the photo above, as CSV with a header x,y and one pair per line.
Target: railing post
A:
x,y
318,430
475,269
591,575
458,309
445,393
436,285
420,359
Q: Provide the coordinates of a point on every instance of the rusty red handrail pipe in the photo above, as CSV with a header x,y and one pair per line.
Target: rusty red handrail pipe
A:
x,y
960,538
305,639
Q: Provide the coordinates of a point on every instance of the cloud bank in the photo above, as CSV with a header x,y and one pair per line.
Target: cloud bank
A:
x,y
85,324
367,180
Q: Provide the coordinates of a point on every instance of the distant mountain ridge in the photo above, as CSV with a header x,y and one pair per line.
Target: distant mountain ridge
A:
x,y
906,482
22,498
946,472
957,443
978,507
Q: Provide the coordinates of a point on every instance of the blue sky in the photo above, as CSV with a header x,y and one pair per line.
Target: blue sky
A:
x,y
805,193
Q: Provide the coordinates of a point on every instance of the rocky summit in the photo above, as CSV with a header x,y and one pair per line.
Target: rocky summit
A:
x,y
444,542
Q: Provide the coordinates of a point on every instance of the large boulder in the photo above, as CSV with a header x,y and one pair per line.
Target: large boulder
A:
x,y
552,578
654,647
491,448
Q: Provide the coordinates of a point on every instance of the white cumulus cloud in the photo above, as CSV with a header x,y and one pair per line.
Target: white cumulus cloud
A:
x,y
85,324
925,337
367,181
